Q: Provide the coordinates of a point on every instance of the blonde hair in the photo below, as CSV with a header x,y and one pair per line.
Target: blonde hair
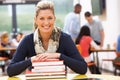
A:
x,y
4,35
43,5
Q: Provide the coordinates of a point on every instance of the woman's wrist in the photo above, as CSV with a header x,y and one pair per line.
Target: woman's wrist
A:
x,y
33,59
55,55
58,55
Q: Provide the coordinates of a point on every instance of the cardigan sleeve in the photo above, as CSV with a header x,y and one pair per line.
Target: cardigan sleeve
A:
x,y
19,62
71,55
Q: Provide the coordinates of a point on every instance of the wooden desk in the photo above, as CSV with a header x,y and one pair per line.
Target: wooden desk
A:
x,y
101,50
5,48
69,77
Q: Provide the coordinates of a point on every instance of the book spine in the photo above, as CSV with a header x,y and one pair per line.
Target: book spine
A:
x,y
45,73
50,67
45,77
47,63
48,70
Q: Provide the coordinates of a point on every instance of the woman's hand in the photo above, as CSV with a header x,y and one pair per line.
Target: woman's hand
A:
x,y
45,56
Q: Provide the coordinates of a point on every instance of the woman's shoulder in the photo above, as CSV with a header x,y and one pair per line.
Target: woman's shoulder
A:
x,y
87,37
64,35
28,37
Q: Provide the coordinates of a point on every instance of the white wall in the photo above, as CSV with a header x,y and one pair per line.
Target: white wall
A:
x,y
112,21
118,16
75,2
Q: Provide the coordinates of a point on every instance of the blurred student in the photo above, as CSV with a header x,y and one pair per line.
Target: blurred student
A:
x,y
72,22
5,43
117,59
15,41
118,46
96,28
85,40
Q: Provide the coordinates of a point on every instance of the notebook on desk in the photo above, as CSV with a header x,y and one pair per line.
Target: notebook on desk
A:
x,y
89,79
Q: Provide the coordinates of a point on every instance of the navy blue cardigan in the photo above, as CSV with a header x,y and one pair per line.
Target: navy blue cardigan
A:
x,y
67,48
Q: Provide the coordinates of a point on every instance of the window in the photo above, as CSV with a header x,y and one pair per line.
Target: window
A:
x,y
5,19
98,6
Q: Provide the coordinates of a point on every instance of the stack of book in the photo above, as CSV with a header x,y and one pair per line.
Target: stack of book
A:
x,y
52,68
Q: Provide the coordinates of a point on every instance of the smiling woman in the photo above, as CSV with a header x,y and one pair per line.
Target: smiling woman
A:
x,y
47,42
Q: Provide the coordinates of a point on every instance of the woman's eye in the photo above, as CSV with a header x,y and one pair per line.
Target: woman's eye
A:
x,y
41,18
50,18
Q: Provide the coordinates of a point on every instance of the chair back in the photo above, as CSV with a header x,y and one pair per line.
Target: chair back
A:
x,y
79,48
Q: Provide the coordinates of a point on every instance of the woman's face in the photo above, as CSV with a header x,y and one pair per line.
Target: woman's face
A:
x,y
45,21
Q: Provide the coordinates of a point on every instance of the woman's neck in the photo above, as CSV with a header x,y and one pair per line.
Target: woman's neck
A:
x,y
45,40
45,36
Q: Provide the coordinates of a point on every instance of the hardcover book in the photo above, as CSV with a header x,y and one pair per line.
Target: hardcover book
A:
x,y
52,68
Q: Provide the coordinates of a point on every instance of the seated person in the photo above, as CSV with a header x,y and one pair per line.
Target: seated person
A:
x,y
117,59
5,43
15,41
85,40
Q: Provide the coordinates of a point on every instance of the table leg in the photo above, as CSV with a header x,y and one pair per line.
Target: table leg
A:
x,y
97,59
